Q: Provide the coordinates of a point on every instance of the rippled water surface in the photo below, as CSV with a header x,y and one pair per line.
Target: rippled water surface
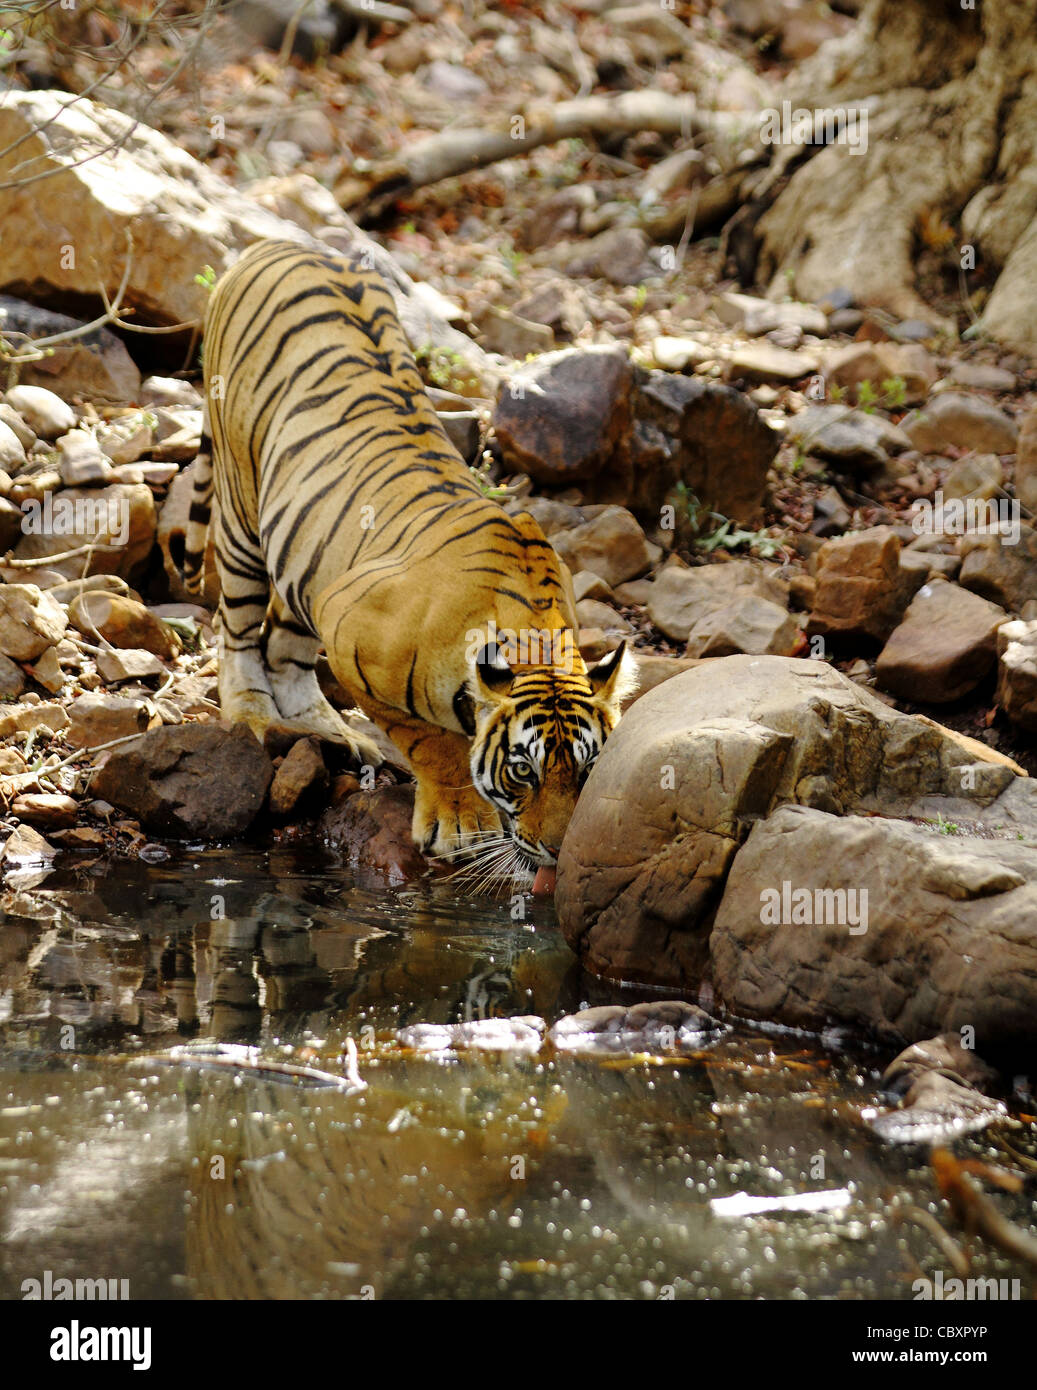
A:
x,y
486,1176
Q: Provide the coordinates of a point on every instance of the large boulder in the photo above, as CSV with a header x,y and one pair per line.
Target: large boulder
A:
x,y
189,781
110,187
624,435
696,761
885,926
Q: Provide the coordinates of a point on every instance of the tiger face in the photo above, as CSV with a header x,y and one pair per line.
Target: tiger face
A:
x,y
538,733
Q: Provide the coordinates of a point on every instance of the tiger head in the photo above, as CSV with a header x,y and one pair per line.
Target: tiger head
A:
x,y
538,733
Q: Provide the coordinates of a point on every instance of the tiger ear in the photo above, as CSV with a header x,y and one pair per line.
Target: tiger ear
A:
x,y
492,676
614,678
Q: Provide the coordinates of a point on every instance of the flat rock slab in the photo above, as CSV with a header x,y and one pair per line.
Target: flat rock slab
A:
x,y
189,781
945,938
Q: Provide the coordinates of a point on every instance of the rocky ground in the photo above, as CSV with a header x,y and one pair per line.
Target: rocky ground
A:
x,y
726,475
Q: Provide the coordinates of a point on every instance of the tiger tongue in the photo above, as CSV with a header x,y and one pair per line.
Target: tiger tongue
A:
x,y
544,883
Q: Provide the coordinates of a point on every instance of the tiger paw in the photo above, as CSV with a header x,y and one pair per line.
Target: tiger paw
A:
x,y
448,821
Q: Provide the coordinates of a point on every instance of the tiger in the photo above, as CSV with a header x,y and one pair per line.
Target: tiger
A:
x,y
347,521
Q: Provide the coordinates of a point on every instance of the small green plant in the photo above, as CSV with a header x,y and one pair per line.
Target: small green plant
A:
x,y
481,473
893,394
946,827
760,541
445,368
640,296
206,277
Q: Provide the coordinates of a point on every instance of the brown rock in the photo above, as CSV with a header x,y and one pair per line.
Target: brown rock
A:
x,y
95,719
1026,461
705,435
681,597
965,422
11,762
590,586
860,591
120,517
300,780
611,545
47,809
123,622
1017,672
619,254
95,366
132,664
30,621
46,671
43,411
565,416
11,518
748,623
190,780
373,831
765,362
591,613
999,570
26,848
24,718
79,839
976,475
932,903
12,679
848,367
944,647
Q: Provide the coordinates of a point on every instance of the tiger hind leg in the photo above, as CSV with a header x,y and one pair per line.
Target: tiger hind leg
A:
x,y
246,695
290,652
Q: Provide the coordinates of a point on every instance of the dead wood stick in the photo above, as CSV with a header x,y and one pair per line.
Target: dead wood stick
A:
x,y
371,187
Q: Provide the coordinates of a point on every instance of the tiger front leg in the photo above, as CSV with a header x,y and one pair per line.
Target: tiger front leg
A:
x,y
449,814
449,818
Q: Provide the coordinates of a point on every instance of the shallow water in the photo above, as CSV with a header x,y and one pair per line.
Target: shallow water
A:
x,y
485,1176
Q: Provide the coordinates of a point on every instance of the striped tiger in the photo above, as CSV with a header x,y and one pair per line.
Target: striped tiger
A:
x,y
348,521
